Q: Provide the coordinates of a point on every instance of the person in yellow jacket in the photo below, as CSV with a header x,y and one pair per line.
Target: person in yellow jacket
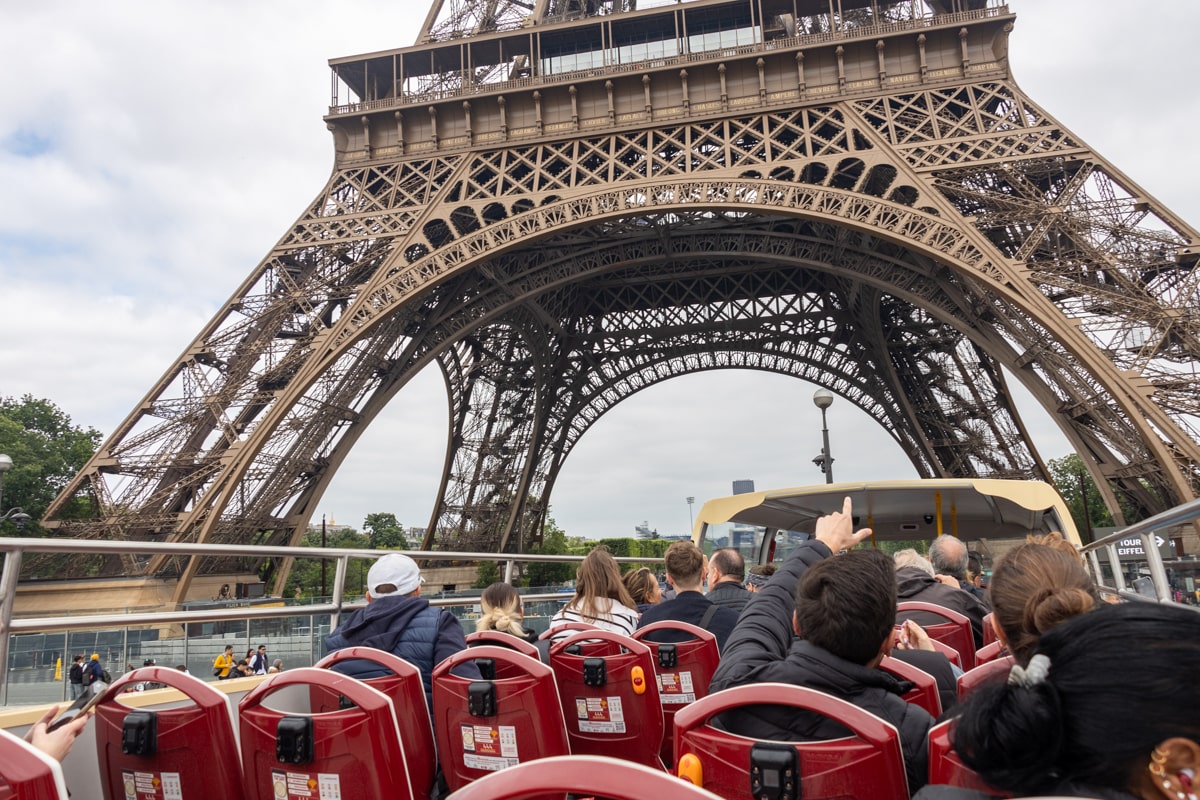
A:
x,y
223,664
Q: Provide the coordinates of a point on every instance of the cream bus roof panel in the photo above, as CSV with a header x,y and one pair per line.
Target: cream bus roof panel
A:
x,y
905,509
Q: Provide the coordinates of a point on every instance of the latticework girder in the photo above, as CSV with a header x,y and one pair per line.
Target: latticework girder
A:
x,y
877,208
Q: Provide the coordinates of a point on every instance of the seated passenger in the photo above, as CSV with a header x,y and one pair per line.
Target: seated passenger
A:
x,y
1107,707
643,588
915,581
726,572
758,576
501,607
950,557
1033,589
685,573
56,743
397,620
841,611
601,598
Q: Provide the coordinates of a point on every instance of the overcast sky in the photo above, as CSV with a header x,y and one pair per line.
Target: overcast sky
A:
x,y
153,151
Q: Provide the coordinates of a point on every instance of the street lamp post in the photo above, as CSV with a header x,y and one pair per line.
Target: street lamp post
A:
x,y
17,515
691,519
823,399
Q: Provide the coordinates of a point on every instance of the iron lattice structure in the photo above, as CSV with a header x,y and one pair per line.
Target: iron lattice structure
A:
x,y
560,209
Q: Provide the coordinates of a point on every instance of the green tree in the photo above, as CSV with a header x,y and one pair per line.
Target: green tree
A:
x,y
554,543
306,572
47,450
1078,490
489,573
385,532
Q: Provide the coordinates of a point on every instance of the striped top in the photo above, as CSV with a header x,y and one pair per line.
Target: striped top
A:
x,y
618,618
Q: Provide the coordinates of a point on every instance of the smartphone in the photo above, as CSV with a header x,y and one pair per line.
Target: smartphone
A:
x,y
82,705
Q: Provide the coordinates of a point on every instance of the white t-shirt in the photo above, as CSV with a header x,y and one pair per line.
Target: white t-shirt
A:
x,y
614,617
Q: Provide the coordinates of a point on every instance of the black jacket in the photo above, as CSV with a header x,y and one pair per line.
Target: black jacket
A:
x,y
912,583
939,667
730,595
761,649
690,607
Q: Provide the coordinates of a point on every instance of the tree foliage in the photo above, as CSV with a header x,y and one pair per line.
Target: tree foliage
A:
x,y
47,450
489,573
306,572
1079,491
385,532
554,543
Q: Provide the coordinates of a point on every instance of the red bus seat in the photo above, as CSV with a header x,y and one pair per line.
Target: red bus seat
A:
x,y
947,769
990,652
27,773
925,689
989,629
868,763
949,652
581,775
991,672
189,749
407,692
502,639
354,753
609,696
550,633
955,631
682,671
484,726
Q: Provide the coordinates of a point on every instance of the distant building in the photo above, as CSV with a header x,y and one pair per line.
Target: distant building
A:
x,y
744,486
742,535
644,531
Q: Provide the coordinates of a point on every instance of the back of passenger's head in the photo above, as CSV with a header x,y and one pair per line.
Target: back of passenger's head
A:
x,y
1033,589
847,604
1117,684
911,558
685,564
1057,541
598,576
728,562
949,556
759,575
500,605
641,584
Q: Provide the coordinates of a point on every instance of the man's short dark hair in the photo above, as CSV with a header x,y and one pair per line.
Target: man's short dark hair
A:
x,y
847,604
729,561
684,562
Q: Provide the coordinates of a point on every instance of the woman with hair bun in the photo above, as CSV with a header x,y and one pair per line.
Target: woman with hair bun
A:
x,y
1107,707
1035,587
501,606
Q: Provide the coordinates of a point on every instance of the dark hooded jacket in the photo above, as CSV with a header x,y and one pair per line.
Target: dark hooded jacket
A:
x,y
762,649
913,583
407,627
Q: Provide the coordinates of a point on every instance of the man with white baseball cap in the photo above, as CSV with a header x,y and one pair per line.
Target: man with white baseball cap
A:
x,y
399,621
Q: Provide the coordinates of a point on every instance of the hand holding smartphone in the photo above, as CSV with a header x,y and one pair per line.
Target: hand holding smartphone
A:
x,y
82,705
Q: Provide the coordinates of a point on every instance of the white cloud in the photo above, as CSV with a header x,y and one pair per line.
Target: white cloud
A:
x,y
169,145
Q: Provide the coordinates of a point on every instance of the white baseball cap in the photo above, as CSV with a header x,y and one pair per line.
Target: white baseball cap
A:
x,y
394,574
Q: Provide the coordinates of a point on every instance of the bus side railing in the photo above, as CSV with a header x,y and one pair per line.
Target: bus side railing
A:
x,y
1145,532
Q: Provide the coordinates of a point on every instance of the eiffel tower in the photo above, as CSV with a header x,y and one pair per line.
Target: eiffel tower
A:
x,y
563,202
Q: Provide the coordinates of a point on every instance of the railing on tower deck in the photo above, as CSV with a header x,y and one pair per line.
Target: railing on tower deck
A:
x,y
1144,531
15,548
659,62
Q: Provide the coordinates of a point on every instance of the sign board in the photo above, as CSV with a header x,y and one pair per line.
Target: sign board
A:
x,y
1130,549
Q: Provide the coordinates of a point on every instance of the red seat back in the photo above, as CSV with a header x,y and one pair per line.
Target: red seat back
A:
x,y
407,692
502,639
193,749
949,652
868,763
586,775
925,689
27,773
550,633
989,629
610,697
955,631
945,767
354,753
682,671
483,726
990,652
991,672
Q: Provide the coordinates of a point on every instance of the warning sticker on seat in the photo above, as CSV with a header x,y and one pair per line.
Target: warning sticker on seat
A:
x,y
675,688
151,785
305,786
600,714
489,747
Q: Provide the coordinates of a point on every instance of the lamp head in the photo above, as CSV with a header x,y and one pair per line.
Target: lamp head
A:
x,y
6,463
822,398
20,518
